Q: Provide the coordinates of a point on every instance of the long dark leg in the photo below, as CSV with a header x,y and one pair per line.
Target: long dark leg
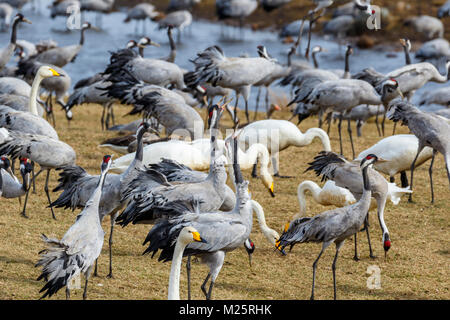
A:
x,y
208,296
254,170
333,266
246,110
48,194
329,115
359,124
85,288
349,129
188,272
314,272
102,119
204,285
257,102
404,179
412,170
113,222
236,108
355,257
23,213
340,136
34,180
95,268
393,130
366,226
376,122
382,123
67,293
430,172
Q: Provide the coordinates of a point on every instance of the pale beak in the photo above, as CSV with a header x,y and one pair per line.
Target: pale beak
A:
x,y
382,160
152,43
400,93
27,21
55,73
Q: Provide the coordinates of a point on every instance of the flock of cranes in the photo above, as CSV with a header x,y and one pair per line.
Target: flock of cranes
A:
x,y
177,183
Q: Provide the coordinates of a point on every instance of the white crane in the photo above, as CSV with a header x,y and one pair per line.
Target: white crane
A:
x,y
76,252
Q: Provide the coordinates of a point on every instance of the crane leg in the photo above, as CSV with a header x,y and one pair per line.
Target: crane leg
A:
x,y
382,123
257,103
204,285
236,109
188,272
404,179
113,221
412,169
333,266
430,172
246,110
366,227
48,194
34,180
254,170
393,130
314,269
349,129
355,257
359,124
328,118
267,100
377,124
88,274
102,119
67,293
23,213
95,268
340,136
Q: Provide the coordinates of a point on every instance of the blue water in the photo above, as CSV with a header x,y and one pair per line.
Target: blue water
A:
x,y
200,35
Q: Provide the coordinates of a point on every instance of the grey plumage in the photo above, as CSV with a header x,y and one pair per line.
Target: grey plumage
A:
x,y
78,249
333,226
7,53
431,130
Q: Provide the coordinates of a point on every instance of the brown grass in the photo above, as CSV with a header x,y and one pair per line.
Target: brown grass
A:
x,y
417,266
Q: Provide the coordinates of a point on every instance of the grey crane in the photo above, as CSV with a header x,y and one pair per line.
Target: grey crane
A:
x,y
59,86
235,9
347,175
431,27
444,10
437,96
98,6
279,71
143,195
178,19
333,226
141,12
77,186
226,231
47,152
151,71
10,187
239,74
75,254
173,49
329,96
434,49
431,130
175,5
61,56
7,52
166,106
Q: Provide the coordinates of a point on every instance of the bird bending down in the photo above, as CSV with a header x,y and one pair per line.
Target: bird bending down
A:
x,y
431,131
333,226
75,254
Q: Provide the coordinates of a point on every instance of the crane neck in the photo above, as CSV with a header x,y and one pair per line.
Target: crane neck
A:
x,y
407,56
305,139
175,269
173,48
141,52
14,31
347,67
314,57
32,103
82,37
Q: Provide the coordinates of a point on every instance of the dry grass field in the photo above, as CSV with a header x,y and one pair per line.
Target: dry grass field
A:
x,y
417,266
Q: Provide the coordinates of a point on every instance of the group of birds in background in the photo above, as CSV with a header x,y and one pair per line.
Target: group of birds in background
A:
x,y
161,180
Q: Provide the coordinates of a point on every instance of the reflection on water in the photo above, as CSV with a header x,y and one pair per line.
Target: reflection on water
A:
x,y
201,34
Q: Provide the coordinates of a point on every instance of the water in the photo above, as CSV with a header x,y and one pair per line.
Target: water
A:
x,y
115,34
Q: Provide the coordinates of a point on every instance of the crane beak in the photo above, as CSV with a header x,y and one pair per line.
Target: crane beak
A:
x,y
26,21
55,73
400,93
152,43
381,160
271,191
